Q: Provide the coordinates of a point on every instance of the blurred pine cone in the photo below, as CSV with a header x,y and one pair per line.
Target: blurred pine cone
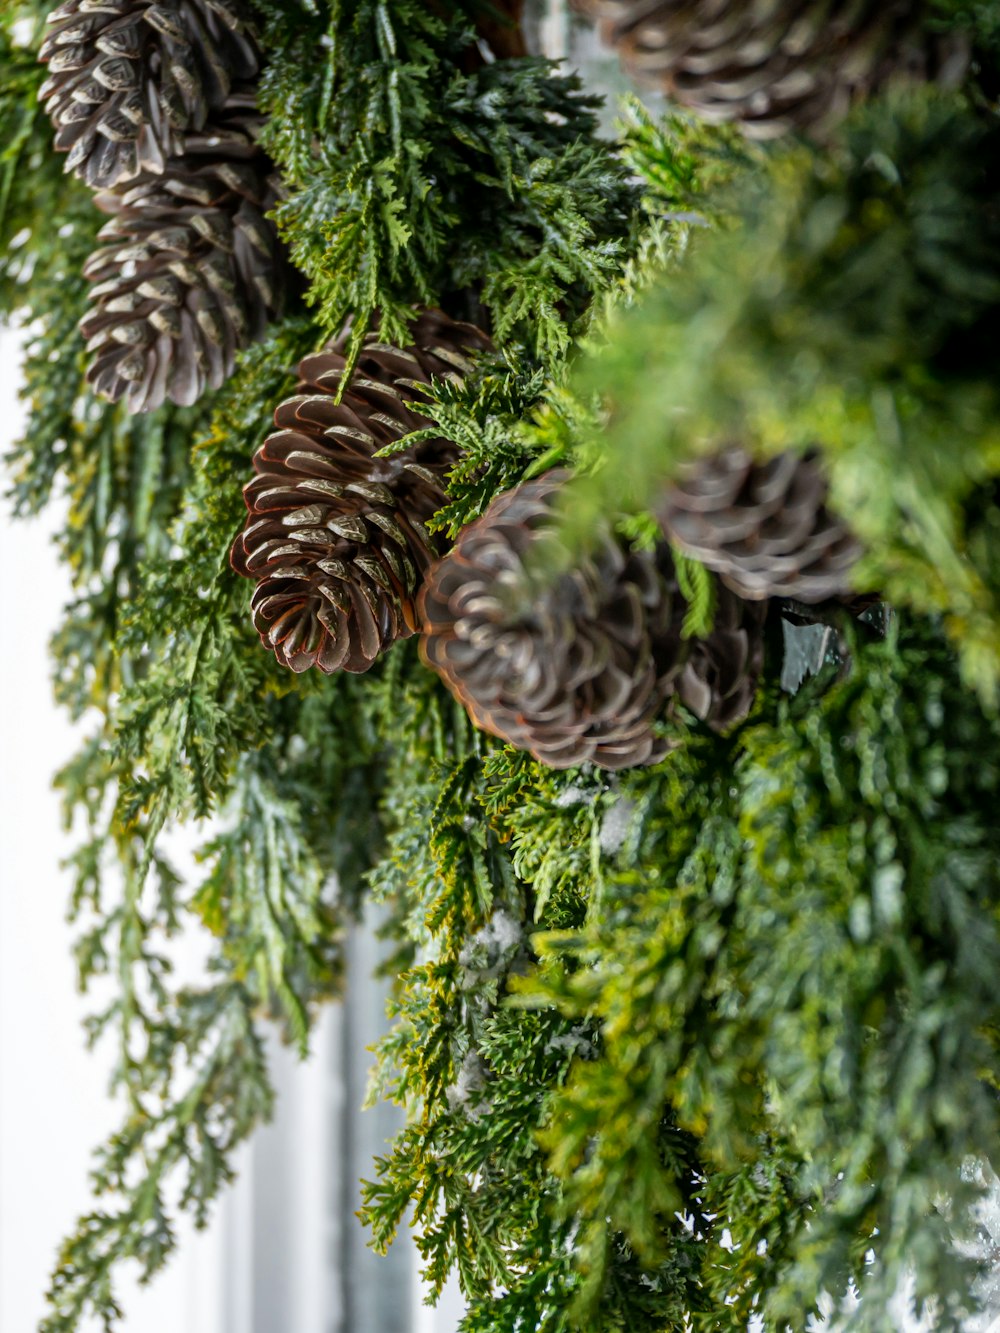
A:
x,y
719,680
573,669
763,527
189,272
498,22
128,77
776,65
335,537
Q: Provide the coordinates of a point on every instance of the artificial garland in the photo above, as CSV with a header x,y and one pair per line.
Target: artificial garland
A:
x,y
696,996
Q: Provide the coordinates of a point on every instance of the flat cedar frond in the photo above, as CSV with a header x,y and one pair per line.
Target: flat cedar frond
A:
x,y
413,179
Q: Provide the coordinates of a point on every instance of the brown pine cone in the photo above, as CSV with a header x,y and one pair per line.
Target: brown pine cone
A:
x,y
573,670
776,65
127,78
190,269
764,528
719,680
335,537
499,24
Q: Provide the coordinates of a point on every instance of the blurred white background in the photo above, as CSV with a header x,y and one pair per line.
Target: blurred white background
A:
x,y
284,1253
53,1102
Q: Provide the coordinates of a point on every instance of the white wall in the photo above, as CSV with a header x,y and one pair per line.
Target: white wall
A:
x,y
53,1102
272,1259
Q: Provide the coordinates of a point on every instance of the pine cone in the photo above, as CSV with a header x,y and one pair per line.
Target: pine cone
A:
x,y
763,527
190,270
776,65
719,680
129,77
499,24
335,537
572,670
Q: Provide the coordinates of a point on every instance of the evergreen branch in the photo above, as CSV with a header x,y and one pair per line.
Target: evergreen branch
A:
x,y
265,899
191,705
413,180
753,1029
192,1130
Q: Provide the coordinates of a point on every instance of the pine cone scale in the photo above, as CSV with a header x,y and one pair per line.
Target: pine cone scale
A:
x,y
574,668
719,680
127,81
565,669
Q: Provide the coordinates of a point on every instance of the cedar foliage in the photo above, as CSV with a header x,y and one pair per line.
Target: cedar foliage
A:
x,y
678,1045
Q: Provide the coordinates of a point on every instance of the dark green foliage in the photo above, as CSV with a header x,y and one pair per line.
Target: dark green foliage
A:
x,y
477,1074
981,20
514,419
887,986
483,414
798,922
508,1205
416,177
677,1046
687,167
745,971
